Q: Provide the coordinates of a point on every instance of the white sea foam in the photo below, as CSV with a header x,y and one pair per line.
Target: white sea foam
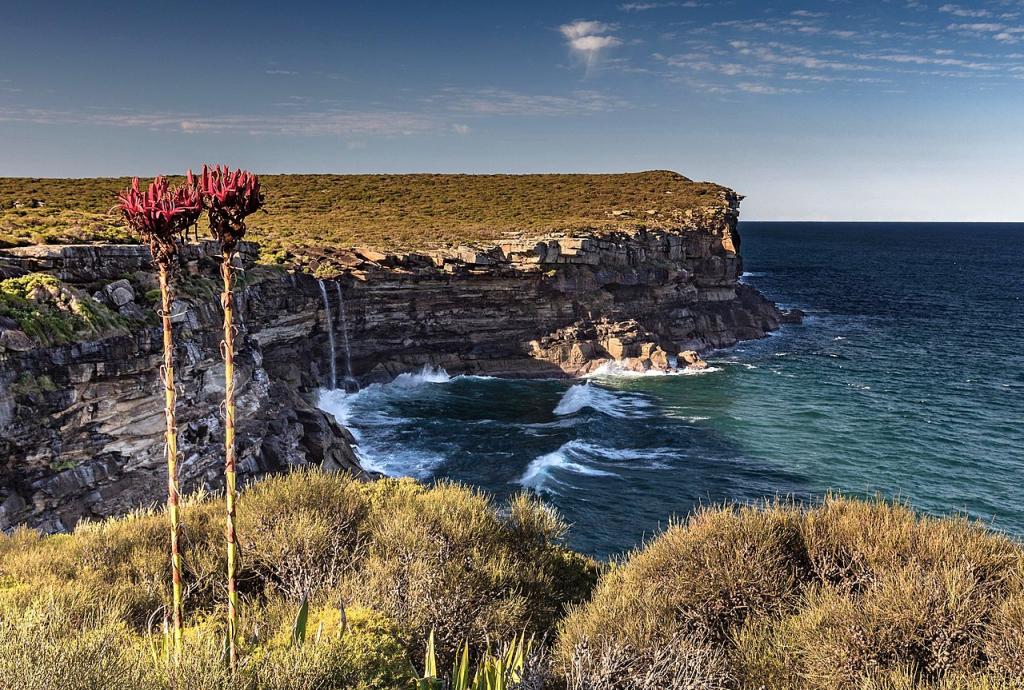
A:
x,y
538,473
617,370
427,374
587,395
369,407
745,365
586,459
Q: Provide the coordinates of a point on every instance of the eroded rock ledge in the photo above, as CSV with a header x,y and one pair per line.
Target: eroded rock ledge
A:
x,y
81,424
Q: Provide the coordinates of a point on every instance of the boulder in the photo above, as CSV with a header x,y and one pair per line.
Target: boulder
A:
x,y
120,292
692,360
16,340
659,359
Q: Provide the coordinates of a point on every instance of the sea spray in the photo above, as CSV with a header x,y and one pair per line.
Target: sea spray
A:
x,y
349,378
330,334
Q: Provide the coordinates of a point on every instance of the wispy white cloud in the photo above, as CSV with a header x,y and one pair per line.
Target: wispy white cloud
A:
x,y
764,89
1000,32
326,123
645,6
959,11
918,59
783,54
587,39
482,102
445,112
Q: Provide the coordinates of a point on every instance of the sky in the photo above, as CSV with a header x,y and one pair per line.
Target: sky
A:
x,y
826,110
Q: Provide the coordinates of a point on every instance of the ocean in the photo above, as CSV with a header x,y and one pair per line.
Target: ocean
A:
x,y
905,380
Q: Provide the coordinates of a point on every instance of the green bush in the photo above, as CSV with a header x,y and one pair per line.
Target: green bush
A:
x,y
52,313
122,561
848,594
301,532
400,557
443,559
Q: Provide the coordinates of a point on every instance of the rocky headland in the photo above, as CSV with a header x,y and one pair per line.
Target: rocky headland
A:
x,y
81,426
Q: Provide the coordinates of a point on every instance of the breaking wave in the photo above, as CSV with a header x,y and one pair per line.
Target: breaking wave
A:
x,y
576,457
586,395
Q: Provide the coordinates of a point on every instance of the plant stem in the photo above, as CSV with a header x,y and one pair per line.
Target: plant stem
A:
x,y
171,439
227,302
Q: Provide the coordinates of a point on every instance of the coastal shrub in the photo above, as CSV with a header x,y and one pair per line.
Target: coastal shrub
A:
x,y
300,532
400,557
847,594
932,621
695,582
41,651
853,542
123,561
1004,644
443,559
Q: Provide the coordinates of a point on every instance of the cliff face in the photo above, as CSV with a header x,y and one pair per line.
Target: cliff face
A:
x,y
81,423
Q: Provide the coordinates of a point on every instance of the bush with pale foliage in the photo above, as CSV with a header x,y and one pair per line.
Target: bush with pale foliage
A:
x,y
850,594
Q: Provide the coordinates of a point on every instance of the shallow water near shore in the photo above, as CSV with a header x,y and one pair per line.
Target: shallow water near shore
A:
x,y
906,379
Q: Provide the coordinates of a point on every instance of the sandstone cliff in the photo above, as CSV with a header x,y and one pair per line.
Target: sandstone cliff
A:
x,y
81,424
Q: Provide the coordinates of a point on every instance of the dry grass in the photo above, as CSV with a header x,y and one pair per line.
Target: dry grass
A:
x,y
390,212
849,594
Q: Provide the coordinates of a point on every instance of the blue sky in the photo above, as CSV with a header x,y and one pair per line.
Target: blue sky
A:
x,y
899,110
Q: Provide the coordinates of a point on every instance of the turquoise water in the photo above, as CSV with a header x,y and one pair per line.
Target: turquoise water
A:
x,y
906,379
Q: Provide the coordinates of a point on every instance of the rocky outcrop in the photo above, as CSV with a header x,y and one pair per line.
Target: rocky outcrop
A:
x,y
81,424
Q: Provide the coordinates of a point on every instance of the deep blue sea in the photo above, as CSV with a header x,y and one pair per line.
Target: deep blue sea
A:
x,y
906,379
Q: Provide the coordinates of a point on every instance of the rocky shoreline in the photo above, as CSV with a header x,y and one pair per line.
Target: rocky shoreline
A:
x,y
81,427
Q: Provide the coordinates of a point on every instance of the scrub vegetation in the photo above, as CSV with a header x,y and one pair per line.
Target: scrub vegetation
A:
x,y
388,212
381,575
53,313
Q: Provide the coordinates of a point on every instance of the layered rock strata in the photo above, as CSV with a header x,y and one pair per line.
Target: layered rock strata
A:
x,y
81,423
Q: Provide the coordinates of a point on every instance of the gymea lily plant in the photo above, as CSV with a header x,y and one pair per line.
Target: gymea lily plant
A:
x,y
160,215
229,197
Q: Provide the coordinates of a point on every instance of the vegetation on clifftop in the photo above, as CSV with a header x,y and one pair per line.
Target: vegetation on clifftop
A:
x,y
389,212
52,313
849,594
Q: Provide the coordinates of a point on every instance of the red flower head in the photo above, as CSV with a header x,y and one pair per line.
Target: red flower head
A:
x,y
160,214
228,198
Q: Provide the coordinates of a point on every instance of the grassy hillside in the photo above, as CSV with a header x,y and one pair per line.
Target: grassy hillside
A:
x,y
848,594
308,212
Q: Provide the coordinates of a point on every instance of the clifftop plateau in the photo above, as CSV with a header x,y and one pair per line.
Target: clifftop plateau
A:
x,y
306,213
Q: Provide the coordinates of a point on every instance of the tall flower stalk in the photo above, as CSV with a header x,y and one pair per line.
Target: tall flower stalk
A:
x,y
229,197
160,215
